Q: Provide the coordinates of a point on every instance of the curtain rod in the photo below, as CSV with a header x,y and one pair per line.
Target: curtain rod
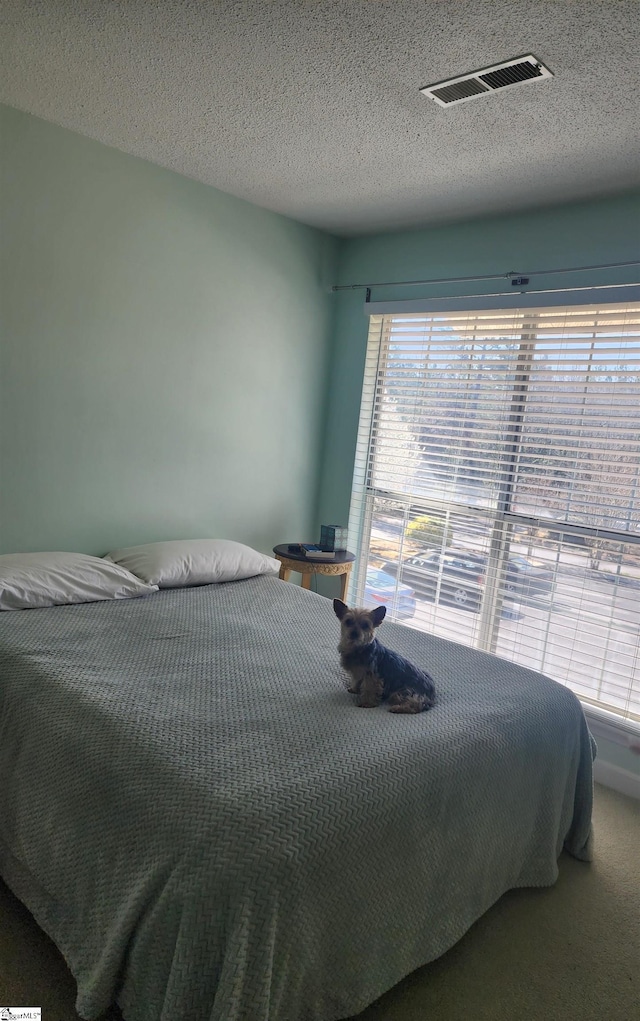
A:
x,y
518,279
509,294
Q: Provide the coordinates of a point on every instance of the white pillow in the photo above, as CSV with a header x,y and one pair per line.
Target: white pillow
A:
x,y
184,562
29,580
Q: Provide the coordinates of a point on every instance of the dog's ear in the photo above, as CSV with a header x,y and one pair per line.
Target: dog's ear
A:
x,y
339,608
378,615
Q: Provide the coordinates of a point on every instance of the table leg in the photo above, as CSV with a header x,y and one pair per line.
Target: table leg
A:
x,y
306,579
284,573
344,581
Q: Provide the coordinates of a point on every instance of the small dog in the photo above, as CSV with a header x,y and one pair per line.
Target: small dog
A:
x,y
376,672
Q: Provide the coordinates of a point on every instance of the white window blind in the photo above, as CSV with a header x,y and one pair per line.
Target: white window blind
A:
x,y
497,476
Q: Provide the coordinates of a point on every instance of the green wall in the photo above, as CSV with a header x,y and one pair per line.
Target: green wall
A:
x,y
163,353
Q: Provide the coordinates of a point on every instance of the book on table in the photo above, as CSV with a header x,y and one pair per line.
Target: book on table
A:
x,y
313,552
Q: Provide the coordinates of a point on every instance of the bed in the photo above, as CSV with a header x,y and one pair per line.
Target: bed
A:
x,y
198,815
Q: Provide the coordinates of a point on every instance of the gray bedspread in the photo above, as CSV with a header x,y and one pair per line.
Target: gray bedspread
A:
x,y
196,812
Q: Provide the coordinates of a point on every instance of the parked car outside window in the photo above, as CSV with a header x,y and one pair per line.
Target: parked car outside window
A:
x,y
383,590
458,577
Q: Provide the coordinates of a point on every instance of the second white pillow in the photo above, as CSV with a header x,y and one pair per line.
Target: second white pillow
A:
x,y
181,562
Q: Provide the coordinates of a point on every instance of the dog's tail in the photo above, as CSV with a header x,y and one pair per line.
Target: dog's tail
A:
x,y
409,700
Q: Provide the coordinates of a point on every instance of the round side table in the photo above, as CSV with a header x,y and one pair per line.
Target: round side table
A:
x,y
340,565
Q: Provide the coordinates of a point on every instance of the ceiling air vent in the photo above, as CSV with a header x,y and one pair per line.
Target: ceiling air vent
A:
x,y
518,71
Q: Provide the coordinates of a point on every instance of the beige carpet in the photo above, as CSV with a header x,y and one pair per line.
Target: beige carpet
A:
x,y
567,953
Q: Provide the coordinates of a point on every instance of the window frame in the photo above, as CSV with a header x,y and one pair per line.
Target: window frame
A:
x,y
503,516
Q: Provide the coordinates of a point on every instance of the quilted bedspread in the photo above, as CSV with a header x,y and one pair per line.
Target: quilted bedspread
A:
x,y
196,812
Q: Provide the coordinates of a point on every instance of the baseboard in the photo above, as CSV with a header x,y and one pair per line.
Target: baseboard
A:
x,y
615,728
622,780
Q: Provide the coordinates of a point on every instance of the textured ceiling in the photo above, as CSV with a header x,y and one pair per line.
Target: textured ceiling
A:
x,y
312,108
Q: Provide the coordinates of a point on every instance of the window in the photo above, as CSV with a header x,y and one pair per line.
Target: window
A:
x,y
497,475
